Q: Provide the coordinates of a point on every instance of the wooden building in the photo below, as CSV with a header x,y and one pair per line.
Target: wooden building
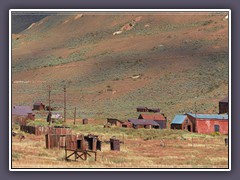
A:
x,y
22,113
209,123
143,123
158,118
38,106
182,122
114,122
223,106
154,110
142,109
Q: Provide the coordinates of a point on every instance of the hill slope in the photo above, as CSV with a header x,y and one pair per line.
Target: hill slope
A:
x,y
165,60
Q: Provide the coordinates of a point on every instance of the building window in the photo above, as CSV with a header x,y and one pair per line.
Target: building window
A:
x,y
186,120
216,128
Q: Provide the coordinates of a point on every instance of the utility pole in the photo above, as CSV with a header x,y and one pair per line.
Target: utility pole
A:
x,y
49,98
49,117
64,103
74,115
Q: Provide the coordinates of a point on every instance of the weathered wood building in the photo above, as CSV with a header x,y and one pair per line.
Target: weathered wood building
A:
x,y
38,106
182,122
223,106
143,123
158,118
114,122
209,123
22,113
142,109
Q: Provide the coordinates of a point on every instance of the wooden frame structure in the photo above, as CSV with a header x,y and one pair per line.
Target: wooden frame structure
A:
x,y
81,146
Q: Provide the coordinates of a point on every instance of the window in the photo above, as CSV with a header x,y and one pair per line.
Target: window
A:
x,y
186,120
216,128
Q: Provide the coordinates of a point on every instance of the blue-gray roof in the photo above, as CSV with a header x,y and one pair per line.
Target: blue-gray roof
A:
x,y
21,110
143,122
178,119
209,116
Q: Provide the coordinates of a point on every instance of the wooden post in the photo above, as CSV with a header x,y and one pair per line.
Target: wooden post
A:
x,y
49,99
74,116
64,103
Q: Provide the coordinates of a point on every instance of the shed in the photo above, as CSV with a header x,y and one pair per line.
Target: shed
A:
x,y
38,106
114,122
84,121
142,109
154,110
209,123
22,113
223,106
182,122
143,123
158,118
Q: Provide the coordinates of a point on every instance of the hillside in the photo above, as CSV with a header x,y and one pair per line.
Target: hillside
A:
x,y
168,61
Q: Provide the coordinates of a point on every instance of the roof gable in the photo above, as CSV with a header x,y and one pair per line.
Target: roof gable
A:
x,y
152,116
179,119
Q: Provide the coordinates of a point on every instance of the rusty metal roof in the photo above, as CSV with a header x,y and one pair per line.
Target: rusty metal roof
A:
x,y
143,122
152,116
224,100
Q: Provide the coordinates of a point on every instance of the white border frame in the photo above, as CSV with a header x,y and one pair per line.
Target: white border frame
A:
x,y
113,11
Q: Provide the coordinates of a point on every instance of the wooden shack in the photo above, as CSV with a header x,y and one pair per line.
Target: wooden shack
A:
x,y
81,146
223,106
182,122
142,109
20,114
38,106
143,123
114,122
157,117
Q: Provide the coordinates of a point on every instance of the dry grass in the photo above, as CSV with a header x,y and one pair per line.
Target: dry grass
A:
x,y
208,152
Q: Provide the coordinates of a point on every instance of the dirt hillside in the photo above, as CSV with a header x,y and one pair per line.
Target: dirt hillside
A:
x,y
112,63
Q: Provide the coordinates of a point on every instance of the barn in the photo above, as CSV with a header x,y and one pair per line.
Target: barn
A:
x,y
114,122
158,118
182,122
38,106
154,110
209,123
223,106
143,123
21,113
142,109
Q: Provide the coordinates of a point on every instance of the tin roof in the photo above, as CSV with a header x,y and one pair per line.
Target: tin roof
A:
x,y
21,110
143,122
179,119
209,116
152,116
224,100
